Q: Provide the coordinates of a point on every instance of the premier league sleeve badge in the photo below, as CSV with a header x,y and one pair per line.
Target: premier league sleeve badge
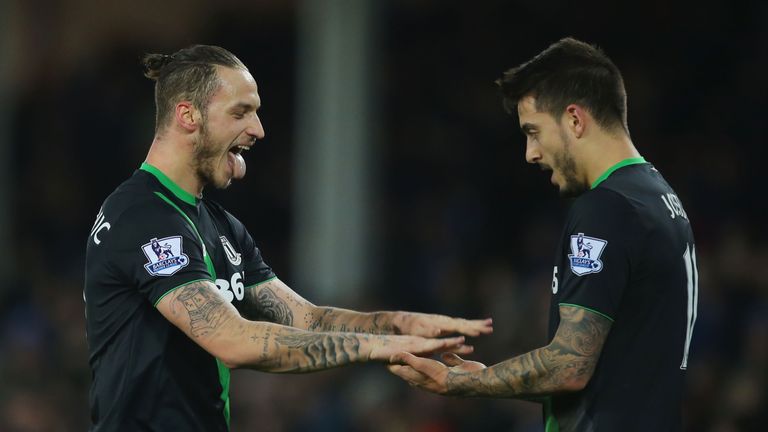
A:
x,y
585,256
165,255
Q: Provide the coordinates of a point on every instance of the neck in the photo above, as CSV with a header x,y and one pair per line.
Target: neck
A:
x,y
605,152
170,160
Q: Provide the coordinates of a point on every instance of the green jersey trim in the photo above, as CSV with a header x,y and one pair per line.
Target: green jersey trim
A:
x,y
550,422
625,162
224,375
168,183
586,308
177,287
262,282
206,257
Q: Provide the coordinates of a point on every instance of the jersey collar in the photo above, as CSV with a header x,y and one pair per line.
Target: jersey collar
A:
x,y
609,171
169,184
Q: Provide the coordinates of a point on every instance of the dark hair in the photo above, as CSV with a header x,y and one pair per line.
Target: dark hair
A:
x,y
188,74
569,71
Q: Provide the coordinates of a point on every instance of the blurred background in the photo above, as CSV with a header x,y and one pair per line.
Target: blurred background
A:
x,y
389,178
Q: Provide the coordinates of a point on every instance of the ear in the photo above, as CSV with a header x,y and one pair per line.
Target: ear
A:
x,y
187,116
576,119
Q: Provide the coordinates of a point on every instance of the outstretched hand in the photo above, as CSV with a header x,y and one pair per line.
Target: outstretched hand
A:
x,y
385,347
430,325
431,375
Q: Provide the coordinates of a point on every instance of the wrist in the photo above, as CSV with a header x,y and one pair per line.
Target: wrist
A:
x,y
395,321
368,351
459,383
386,323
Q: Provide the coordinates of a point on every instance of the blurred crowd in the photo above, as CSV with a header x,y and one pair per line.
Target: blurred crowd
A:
x,y
463,226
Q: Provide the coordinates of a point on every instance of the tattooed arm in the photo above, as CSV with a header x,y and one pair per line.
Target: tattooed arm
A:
x,y
214,324
274,301
566,364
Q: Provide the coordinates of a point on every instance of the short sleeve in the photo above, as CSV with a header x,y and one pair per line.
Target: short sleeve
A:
x,y
156,250
597,252
256,270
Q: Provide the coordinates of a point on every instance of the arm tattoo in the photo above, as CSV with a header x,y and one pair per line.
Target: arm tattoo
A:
x,y
330,319
206,309
302,351
322,351
570,357
263,304
274,304
273,308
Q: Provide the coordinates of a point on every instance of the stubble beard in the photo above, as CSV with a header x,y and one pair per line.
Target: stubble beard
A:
x,y
565,163
205,160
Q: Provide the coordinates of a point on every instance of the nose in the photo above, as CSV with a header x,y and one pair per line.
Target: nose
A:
x,y
255,129
532,152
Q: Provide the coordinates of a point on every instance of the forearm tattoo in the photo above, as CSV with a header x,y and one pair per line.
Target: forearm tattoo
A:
x,y
207,311
570,357
302,351
273,308
340,320
263,304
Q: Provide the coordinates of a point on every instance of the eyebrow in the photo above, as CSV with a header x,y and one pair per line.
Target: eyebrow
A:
x,y
245,106
527,128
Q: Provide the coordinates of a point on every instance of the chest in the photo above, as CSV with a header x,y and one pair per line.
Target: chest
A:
x,y
224,254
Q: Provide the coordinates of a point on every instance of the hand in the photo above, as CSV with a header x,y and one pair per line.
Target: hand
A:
x,y
431,375
384,347
429,325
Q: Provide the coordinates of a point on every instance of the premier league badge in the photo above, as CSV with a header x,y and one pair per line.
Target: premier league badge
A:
x,y
585,258
165,255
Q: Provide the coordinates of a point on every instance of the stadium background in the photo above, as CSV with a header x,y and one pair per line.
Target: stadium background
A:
x,y
390,178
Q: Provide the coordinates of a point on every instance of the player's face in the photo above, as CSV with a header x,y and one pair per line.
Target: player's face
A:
x,y
549,146
229,128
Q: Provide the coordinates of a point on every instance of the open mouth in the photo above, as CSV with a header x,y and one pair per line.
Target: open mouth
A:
x,y
239,149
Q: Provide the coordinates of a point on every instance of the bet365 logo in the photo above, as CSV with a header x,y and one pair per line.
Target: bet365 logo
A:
x,y
233,288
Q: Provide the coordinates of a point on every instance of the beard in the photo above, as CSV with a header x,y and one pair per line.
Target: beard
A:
x,y
566,165
205,161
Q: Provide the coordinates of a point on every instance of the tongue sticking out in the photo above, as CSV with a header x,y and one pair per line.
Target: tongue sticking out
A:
x,y
237,163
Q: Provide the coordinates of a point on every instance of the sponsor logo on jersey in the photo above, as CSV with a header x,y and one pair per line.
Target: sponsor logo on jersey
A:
x,y
165,256
232,256
585,258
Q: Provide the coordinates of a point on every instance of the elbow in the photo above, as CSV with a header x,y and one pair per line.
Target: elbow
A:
x,y
231,364
578,378
576,383
229,358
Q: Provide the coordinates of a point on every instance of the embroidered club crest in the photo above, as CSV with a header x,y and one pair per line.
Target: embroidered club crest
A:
x,y
585,258
232,256
165,256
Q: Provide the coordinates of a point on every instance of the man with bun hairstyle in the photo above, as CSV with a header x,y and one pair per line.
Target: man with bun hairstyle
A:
x,y
174,282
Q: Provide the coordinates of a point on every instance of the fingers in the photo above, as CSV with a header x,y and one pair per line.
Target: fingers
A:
x,y
451,359
462,349
417,363
447,344
405,372
474,327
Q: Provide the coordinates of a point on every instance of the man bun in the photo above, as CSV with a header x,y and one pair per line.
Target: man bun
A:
x,y
154,64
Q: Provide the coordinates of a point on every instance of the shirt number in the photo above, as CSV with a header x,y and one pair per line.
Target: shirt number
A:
x,y
554,281
692,287
232,289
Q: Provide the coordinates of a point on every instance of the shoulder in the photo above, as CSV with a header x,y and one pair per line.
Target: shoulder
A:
x,y
140,218
602,203
137,205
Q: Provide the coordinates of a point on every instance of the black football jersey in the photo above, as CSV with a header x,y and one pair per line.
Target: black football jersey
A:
x,y
627,253
151,237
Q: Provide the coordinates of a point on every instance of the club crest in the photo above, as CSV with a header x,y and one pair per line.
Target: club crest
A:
x,y
165,256
233,257
585,258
